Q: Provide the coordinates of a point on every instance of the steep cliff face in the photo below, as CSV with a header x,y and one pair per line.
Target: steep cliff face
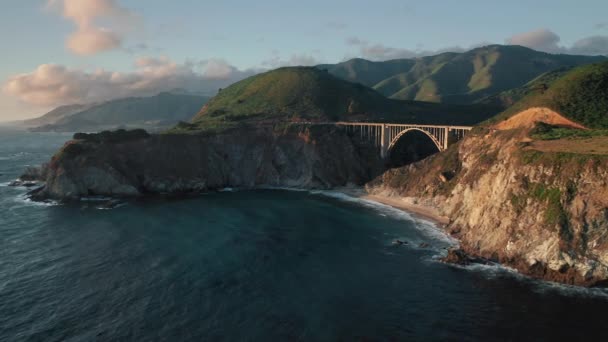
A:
x,y
545,214
319,157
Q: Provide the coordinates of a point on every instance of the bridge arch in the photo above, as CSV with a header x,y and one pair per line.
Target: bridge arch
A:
x,y
408,130
411,145
386,136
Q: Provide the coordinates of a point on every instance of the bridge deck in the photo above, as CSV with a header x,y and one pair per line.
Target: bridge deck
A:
x,y
346,123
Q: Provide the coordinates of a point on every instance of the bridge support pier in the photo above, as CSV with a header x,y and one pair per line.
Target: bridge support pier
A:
x,y
384,141
446,135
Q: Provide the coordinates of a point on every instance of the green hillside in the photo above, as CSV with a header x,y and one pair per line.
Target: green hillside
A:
x,y
404,81
509,97
367,72
297,94
460,78
581,94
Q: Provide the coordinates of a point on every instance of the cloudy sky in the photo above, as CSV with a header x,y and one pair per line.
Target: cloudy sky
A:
x,y
59,52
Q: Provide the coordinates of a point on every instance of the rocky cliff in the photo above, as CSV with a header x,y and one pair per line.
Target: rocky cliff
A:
x,y
543,213
130,164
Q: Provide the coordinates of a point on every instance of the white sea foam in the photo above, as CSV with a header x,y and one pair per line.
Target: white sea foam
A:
x,y
569,290
428,228
493,271
121,204
24,199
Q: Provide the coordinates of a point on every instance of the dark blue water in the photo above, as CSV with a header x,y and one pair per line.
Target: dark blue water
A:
x,y
262,265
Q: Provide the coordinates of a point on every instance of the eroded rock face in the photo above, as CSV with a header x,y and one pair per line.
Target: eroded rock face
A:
x,y
545,214
318,157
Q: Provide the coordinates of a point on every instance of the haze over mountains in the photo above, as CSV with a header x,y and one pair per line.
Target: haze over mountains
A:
x,y
152,113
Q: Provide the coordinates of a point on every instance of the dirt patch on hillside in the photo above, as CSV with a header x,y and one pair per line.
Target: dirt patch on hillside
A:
x,y
529,117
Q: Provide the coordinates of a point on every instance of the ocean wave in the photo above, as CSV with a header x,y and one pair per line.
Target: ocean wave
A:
x,y
26,200
428,228
15,156
569,290
116,206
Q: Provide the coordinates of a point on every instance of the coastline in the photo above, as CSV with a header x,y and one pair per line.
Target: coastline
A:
x,y
401,203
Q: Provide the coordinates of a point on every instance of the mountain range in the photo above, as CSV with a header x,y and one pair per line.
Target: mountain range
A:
x,y
152,113
458,78
474,84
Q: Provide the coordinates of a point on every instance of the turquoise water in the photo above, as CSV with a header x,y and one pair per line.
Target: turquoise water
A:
x,y
256,265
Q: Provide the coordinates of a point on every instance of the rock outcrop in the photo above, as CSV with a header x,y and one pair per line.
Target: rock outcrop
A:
x,y
137,164
545,214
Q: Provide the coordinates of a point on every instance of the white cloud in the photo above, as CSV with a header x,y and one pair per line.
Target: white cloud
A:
x,y
53,85
294,60
542,40
380,52
548,41
91,40
217,69
596,45
90,36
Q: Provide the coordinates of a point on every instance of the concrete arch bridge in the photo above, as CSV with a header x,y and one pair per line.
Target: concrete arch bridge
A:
x,y
385,136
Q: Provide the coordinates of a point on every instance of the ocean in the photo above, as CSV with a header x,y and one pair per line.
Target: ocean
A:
x,y
265,265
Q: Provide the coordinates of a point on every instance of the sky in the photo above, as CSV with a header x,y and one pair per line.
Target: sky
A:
x,y
58,52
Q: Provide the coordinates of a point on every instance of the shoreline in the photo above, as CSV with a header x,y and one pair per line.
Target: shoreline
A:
x,y
401,203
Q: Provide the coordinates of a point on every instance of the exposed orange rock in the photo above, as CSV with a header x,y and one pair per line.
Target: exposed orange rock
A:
x,y
529,117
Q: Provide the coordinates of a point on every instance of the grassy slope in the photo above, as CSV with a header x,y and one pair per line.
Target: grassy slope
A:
x,y
310,94
581,95
409,84
458,77
510,97
367,72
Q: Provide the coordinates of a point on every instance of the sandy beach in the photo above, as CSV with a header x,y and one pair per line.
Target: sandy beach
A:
x,y
402,203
